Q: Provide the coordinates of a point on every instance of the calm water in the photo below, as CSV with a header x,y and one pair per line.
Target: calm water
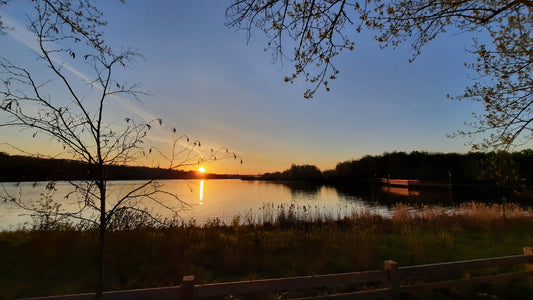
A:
x,y
253,201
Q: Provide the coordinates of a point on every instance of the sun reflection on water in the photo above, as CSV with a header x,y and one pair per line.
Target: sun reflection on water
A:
x,y
201,192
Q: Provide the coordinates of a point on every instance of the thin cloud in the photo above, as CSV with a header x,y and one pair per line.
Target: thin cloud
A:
x,y
22,35
19,33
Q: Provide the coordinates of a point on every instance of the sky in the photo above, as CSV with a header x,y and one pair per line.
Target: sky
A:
x,y
213,84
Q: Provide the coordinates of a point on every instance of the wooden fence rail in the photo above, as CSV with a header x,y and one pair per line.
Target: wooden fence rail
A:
x,y
392,281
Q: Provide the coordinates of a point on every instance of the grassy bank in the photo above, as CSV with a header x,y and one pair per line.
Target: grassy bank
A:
x,y
39,263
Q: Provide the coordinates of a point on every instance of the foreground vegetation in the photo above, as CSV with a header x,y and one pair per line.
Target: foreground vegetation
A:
x,y
296,242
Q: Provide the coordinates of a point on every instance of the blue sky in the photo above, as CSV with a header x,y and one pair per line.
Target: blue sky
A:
x,y
211,84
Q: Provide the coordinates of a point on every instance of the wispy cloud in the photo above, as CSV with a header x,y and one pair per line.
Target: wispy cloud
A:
x,y
160,135
22,35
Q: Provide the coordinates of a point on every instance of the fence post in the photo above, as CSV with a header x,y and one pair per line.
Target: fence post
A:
x,y
187,288
394,278
529,252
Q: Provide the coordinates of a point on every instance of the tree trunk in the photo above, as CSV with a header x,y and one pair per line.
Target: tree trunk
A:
x,y
101,241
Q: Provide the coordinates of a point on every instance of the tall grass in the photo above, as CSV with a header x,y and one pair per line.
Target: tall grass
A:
x,y
277,242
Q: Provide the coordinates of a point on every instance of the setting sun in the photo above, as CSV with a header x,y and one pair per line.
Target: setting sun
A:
x,y
201,170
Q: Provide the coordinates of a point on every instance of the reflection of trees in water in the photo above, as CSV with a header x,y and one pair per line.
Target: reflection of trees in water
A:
x,y
376,194
302,189
385,195
391,195
490,194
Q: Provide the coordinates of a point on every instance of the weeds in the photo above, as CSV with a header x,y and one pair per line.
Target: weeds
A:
x,y
278,242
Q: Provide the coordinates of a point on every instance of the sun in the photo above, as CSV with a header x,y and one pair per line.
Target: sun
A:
x,y
201,170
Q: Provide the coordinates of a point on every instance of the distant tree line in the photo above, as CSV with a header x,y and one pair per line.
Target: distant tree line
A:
x,y
17,168
296,173
488,168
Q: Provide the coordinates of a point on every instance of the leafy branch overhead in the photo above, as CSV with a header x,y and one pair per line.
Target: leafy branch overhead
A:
x,y
319,30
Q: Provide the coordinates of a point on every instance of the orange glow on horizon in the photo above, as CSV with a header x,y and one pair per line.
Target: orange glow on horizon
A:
x,y
201,170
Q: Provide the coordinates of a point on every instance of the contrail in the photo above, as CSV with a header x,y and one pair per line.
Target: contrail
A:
x,y
22,35
26,38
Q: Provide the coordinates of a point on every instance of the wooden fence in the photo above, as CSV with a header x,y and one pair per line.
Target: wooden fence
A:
x,y
390,282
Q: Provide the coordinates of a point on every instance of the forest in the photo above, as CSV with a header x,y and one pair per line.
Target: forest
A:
x,y
17,168
500,168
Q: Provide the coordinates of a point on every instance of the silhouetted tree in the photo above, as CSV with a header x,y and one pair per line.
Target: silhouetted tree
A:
x,y
304,173
296,173
494,168
500,168
68,34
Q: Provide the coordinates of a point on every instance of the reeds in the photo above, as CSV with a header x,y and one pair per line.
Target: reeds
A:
x,y
286,215
274,242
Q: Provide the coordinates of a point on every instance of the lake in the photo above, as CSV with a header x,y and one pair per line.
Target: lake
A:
x,y
252,201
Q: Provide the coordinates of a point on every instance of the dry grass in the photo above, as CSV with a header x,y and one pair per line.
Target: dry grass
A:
x,y
290,241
